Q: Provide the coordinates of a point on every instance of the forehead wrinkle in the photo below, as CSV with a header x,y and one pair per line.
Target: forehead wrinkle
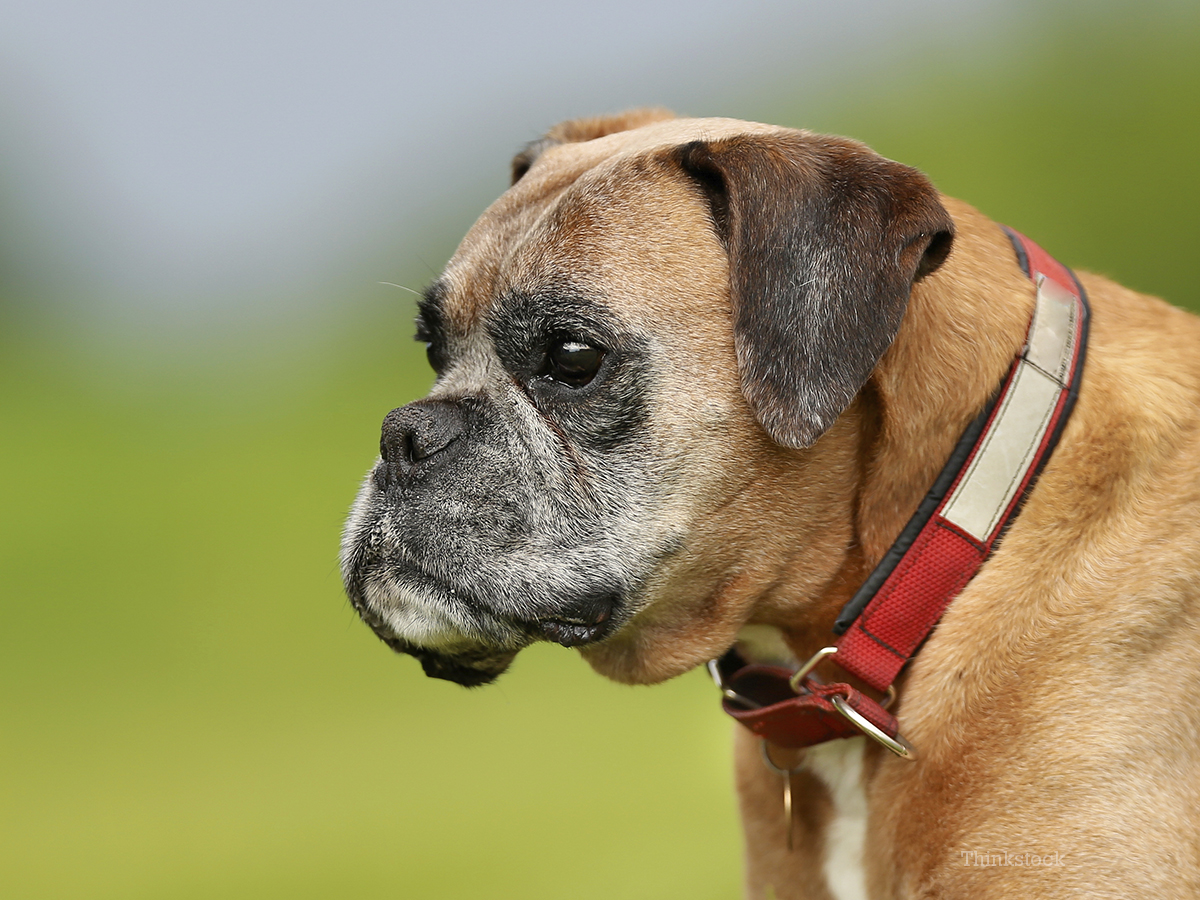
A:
x,y
581,238
637,233
475,269
508,246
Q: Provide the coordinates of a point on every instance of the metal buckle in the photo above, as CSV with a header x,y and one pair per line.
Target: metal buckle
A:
x,y
897,745
801,673
726,692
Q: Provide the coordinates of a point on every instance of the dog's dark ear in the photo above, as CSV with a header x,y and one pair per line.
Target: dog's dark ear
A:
x,y
577,130
825,239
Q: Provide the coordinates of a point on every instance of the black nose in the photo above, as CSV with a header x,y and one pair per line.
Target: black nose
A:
x,y
418,435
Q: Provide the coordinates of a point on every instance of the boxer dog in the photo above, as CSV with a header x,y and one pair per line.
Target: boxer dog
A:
x,y
693,379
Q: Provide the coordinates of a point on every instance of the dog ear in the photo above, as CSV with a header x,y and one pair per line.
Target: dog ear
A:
x,y
825,239
577,130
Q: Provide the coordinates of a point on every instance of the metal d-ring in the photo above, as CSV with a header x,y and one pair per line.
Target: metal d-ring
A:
x,y
897,744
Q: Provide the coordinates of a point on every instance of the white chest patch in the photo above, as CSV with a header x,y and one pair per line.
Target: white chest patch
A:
x,y
839,764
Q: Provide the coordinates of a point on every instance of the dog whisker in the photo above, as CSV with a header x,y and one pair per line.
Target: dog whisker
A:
x,y
402,287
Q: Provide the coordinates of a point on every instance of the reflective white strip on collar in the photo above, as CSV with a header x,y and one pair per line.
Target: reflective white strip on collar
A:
x,y
1026,411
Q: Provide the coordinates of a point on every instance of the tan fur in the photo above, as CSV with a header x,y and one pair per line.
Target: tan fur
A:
x,y
1054,708
588,129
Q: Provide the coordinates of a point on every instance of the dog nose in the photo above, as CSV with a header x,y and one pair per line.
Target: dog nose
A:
x,y
418,434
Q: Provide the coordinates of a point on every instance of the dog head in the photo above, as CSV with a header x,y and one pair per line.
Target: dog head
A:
x,y
646,353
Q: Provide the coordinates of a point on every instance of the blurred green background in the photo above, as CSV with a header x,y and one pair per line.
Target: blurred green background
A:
x,y
190,707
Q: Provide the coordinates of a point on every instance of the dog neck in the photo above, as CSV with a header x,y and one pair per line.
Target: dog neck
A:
x,y
955,345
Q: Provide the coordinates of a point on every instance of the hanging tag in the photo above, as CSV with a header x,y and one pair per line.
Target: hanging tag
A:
x,y
788,817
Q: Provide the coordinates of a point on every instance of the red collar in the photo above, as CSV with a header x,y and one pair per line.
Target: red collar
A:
x,y
955,529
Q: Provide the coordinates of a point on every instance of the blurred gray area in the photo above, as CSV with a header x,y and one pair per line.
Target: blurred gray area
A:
x,y
198,164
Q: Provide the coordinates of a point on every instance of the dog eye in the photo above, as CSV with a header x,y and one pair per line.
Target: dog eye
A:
x,y
573,362
432,351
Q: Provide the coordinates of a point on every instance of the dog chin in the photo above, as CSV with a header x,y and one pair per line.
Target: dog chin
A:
x,y
465,643
472,665
442,651
470,668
